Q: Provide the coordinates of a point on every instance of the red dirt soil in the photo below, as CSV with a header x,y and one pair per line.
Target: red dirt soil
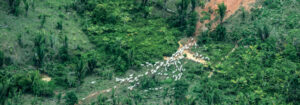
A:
x,y
232,7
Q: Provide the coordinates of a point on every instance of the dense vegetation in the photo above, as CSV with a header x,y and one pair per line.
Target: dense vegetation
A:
x,y
126,33
264,68
69,52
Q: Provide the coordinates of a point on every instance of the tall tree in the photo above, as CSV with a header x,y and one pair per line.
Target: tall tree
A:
x,y
1,58
194,4
39,43
145,2
182,7
14,6
80,71
26,3
64,53
222,11
145,7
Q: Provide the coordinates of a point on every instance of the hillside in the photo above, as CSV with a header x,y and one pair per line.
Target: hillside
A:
x,y
149,52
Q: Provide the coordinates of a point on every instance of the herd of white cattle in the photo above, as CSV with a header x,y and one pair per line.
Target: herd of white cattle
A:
x,y
161,68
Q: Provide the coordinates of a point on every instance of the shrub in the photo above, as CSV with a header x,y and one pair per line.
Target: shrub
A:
x,y
59,25
51,41
137,97
42,88
271,3
26,6
71,98
33,4
102,100
43,21
14,6
263,33
238,33
208,92
293,94
180,90
148,82
31,83
192,22
83,5
290,52
8,61
250,40
121,66
80,71
92,64
127,101
63,52
1,58
61,75
107,74
58,98
244,13
167,81
220,33
266,32
39,44
92,60
205,16
105,13
202,4
24,81
4,87
20,40
204,38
